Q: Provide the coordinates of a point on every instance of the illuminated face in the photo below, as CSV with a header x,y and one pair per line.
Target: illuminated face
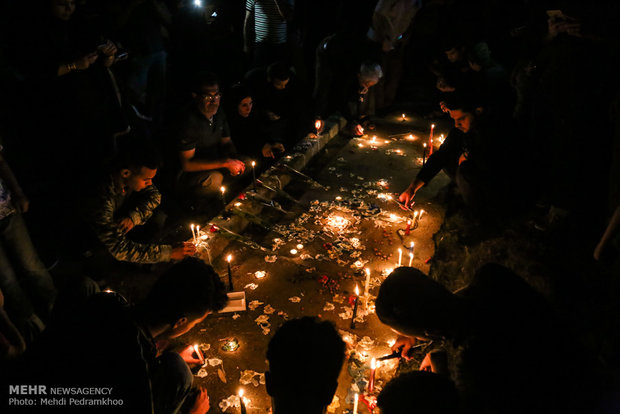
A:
x,y
462,120
138,181
63,9
279,84
208,100
245,106
366,83
454,55
182,327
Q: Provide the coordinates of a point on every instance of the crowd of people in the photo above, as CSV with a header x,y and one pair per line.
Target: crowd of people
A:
x,y
118,115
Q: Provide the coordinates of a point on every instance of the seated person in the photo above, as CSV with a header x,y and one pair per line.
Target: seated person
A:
x,y
109,343
246,128
476,154
125,200
418,391
488,328
349,97
283,111
203,141
304,385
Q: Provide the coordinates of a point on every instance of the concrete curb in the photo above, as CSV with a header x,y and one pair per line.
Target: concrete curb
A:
x,y
302,154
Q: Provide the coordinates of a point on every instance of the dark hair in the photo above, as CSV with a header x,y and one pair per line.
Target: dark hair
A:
x,y
466,101
202,79
413,303
137,154
279,71
313,377
419,391
188,288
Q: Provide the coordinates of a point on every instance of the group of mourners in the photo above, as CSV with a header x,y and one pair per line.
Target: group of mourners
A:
x,y
120,114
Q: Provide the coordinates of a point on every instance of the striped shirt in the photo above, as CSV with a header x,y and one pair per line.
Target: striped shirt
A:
x,y
269,24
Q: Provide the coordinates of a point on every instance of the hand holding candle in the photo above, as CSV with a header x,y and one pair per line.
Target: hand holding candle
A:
x,y
198,352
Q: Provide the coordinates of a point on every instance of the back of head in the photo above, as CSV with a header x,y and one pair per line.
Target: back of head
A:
x,y
136,154
413,304
279,71
187,289
419,392
305,358
465,100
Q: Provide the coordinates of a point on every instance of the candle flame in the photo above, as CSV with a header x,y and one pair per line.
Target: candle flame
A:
x,y
192,227
432,126
374,138
300,246
357,290
408,222
412,245
373,363
318,123
293,251
223,189
424,145
367,271
229,258
240,392
403,115
253,163
415,214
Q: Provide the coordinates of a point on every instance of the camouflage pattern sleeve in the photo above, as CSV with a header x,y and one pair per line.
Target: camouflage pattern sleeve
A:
x,y
114,238
147,201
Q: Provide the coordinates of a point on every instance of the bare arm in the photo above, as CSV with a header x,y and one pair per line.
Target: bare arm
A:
x,y
190,164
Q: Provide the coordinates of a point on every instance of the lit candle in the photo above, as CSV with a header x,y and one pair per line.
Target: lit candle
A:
x,y
403,118
371,381
193,233
367,285
430,140
411,247
424,154
415,219
241,402
230,282
293,251
317,125
408,229
357,296
420,217
410,259
199,354
355,403
197,234
400,256
300,246
223,190
374,139
253,176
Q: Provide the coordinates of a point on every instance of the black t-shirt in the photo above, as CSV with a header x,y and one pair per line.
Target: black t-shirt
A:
x,y
194,131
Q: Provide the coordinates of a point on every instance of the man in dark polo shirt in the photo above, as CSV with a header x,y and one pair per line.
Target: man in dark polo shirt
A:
x,y
202,135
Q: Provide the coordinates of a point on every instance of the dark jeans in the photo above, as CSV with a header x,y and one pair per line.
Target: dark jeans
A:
x,y
27,286
172,381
